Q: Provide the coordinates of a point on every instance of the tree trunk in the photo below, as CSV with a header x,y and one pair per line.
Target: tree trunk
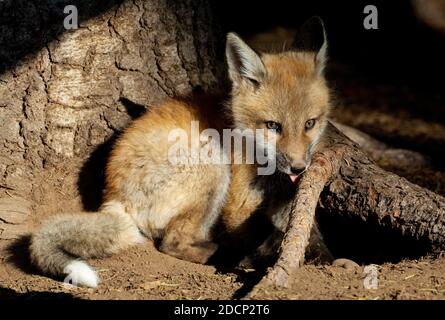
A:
x,y
64,92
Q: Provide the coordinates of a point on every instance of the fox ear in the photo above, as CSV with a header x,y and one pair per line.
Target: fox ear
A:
x,y
243,62
312,37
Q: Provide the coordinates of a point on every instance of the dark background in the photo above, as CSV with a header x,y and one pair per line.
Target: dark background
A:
x,y
402,50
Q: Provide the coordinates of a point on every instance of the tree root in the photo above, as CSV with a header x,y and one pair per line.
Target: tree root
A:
x,y
382,153
347,182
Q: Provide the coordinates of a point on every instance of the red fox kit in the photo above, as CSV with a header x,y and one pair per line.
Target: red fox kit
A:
x,y
147,196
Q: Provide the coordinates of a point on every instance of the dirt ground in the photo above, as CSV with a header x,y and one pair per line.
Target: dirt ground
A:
x,y
144,273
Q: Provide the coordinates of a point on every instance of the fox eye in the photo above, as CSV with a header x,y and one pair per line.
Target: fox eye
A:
x,y
309,124
272,125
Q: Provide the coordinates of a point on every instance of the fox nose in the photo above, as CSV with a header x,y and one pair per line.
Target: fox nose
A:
x,y
297,169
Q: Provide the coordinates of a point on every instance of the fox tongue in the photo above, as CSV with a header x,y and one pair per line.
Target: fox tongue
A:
x,y
293,177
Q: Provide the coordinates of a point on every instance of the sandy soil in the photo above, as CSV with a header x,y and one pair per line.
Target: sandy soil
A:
x,y
144,273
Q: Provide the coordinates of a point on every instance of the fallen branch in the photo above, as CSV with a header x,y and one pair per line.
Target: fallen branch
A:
x,y
353,185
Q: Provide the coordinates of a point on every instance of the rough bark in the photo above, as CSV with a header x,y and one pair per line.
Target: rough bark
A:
x,y
63,92
363,189
355,186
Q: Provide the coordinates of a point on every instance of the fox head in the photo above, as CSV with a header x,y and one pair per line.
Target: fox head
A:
x,y
283,93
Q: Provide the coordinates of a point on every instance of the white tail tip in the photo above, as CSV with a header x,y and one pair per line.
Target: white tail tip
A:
x,y
80,274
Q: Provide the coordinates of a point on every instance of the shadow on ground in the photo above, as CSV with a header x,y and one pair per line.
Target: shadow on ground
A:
x,y
9,294
18,254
